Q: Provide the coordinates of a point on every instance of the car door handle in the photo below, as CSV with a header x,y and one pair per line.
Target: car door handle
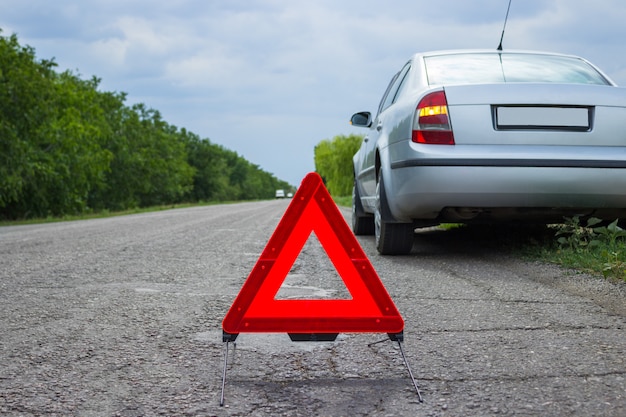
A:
x,y
366,139
379,127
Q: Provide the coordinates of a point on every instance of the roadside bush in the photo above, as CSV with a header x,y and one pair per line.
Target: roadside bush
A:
x,y
592,246
333,161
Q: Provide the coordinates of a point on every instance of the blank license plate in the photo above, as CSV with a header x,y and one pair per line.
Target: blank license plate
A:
x,y
557,118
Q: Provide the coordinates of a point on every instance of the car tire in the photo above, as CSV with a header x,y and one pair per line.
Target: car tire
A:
x,y
392,238
362,222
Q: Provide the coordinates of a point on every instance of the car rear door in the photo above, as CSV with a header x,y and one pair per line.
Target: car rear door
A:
x,y
377,135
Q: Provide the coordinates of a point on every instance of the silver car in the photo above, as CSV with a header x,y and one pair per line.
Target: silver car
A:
x,y
487,136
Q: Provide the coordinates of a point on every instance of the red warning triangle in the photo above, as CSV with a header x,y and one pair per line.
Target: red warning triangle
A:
x,y
256,309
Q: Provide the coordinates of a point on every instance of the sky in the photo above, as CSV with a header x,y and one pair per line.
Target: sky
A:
x,y
270,79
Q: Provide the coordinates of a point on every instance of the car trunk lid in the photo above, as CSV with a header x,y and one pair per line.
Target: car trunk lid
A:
x,y
537,114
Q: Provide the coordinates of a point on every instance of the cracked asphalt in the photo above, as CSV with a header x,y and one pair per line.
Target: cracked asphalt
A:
x,y
122,317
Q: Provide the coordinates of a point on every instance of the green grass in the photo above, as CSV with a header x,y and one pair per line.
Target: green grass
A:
x,y
345,201
589,246
106,213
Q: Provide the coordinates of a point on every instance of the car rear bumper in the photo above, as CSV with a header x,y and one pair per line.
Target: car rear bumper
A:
x,y
506,189
510,162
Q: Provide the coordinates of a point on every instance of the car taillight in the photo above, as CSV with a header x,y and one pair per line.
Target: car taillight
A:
x,y
432,124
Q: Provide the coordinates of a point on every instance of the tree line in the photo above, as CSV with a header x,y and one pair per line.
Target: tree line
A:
x,y
333,161
66,148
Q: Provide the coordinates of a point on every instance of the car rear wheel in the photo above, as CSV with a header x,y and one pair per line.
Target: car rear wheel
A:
x,y
362,222
391,238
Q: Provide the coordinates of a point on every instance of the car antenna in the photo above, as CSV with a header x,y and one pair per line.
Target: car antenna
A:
x,y
504,27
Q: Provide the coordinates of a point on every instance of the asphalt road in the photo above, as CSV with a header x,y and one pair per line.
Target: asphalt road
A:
x,y
122,317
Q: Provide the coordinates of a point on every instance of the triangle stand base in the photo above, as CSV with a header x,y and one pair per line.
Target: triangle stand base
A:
x,y
228,338
313,337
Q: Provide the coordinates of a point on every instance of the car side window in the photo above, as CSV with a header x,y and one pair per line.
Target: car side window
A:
x,y
395,85
387,91
403,84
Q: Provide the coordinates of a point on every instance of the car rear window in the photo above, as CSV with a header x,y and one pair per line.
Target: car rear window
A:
x,y
487,68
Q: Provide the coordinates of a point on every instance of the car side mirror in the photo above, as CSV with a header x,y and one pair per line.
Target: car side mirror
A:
x,y
361,119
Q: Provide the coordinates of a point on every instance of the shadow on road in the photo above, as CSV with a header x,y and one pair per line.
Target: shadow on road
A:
x,y
467,239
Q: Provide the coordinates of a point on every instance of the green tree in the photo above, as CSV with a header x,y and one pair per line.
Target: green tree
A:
x,y
66,147
50,131
333,161
150,164
210,181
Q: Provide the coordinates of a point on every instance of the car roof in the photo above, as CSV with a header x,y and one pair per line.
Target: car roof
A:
x,y
490,51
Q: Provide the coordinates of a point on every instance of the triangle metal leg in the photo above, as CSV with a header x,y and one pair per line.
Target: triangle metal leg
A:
x,y
399,337
226,344
227,338
406,363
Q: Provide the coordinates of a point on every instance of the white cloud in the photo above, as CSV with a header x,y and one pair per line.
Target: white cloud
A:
x,y
112,51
